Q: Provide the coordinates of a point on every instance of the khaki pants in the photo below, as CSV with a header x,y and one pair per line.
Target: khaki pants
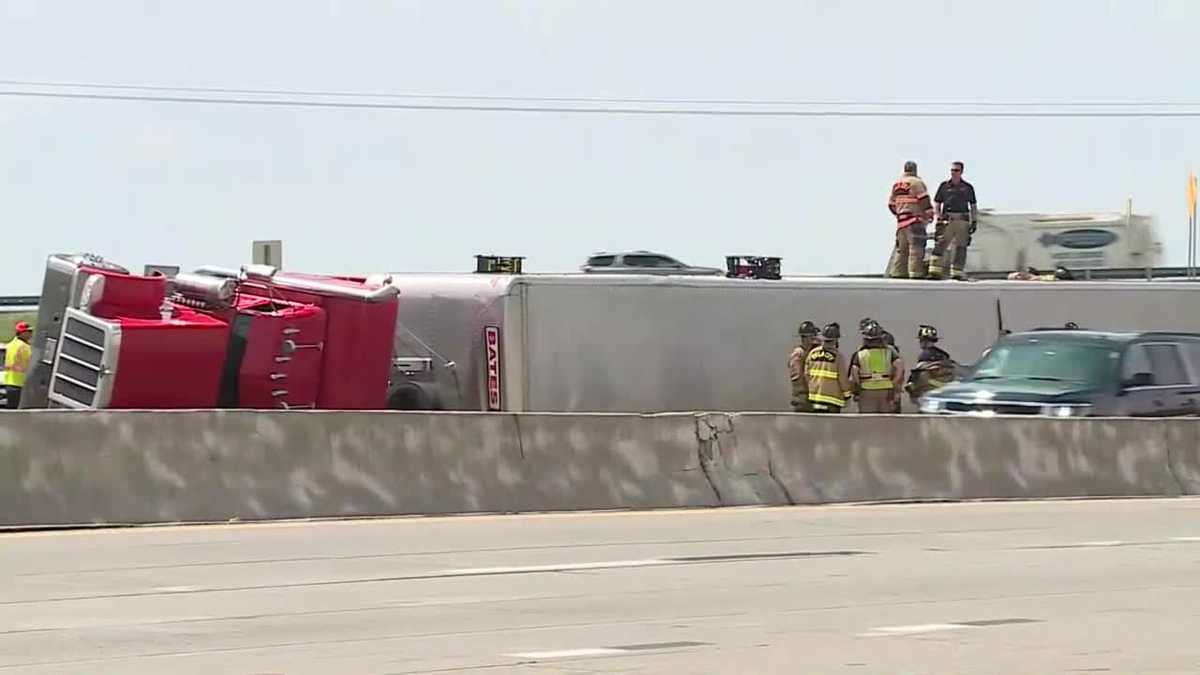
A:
x,y
908,256
799,398
876,402
951,236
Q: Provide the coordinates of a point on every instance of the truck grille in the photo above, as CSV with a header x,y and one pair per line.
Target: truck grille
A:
x,y
993,408
79,364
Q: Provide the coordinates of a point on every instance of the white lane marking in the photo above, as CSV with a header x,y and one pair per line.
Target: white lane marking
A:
x,y
1100,543
565,567
913,629
1185,538
175,589
567,653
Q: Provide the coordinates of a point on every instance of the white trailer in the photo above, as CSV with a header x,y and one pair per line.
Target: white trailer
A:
x,y
1010,241
568,343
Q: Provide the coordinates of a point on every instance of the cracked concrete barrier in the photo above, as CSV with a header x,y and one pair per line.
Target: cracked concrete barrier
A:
x,y
79,467
882,458
609,461
740,473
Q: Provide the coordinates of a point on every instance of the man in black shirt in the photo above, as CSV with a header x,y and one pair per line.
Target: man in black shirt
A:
x,y
957,217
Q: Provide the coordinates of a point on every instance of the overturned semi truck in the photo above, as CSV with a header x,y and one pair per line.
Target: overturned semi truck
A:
x,y
495,340
249,338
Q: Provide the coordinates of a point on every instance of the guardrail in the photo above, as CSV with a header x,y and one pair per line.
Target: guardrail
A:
x,y
102,467
20,300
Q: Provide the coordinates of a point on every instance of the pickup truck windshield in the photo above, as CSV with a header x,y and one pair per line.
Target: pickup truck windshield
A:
x,y
1086,362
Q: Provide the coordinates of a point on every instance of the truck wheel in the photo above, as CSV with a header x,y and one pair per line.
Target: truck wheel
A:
x,y
413,396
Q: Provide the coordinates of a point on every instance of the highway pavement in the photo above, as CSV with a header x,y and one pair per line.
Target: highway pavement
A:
x,y
1002,587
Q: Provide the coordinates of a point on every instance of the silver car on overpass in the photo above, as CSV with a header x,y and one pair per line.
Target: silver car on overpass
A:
x,y
644,262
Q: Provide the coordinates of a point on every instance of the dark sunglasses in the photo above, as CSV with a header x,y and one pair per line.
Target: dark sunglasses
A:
x,y
955,170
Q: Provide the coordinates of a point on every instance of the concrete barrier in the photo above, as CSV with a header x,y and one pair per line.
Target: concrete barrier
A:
x,y
146,467
1183,447
823,459
605,461
740,473
78,467
69,467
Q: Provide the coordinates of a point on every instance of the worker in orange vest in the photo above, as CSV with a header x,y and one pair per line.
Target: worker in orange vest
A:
x,y
910,203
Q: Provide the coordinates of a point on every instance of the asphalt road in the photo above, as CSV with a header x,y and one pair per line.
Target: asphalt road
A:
x,y
1044,587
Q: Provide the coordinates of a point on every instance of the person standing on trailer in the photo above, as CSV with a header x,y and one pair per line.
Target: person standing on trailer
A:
x,y
957,218
808,340
876,373
17,354
909,202
825,374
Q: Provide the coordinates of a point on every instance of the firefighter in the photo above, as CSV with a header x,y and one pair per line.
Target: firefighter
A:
x,y
877,373
825,374
862,327
909,202
809,339
887,337
16,363
934,368
891,342
957,218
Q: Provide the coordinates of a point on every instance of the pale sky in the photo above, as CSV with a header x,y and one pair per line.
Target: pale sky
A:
x,y
360,191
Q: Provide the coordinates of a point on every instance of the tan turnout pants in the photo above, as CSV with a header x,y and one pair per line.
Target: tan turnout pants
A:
x,y
876,402
950,238
908,256
800,398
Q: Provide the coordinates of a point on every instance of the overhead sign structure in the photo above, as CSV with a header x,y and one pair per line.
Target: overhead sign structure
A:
x,y
267,252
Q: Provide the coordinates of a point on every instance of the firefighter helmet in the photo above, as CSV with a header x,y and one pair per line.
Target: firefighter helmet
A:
x,y
1063,274
873,331
808,329
864,322
927,333
832,331
1071,325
